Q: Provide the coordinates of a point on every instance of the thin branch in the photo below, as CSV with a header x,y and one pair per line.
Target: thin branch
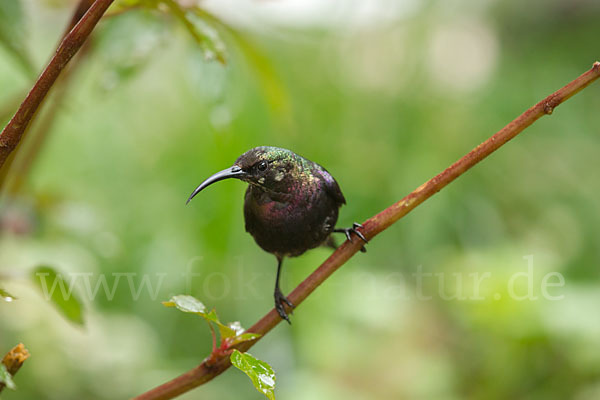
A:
x,y
373,226
14,359
82,7
13,132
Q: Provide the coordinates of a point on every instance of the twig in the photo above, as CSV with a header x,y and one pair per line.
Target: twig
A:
x,y
82,7
373,226
13,132
14,359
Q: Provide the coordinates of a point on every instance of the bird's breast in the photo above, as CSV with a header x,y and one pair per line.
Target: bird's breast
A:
x,y
287,224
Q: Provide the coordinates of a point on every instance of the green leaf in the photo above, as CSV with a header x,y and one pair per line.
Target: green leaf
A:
x,y
186,303
4,295
12,32
189,304
240,336
55,289
212,315
224,330
6,378
236,327
244,337
260,373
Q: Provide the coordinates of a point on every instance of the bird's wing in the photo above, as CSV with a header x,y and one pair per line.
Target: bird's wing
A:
x,y
332,187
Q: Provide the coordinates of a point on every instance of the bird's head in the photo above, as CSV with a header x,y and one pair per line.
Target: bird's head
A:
x,y
271,168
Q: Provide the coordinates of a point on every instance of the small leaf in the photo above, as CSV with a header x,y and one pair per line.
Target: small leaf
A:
x,y
212,315
240,336
6,378
4,295
186,303
260,373
55,289
224,330
190,304
237,327
244,337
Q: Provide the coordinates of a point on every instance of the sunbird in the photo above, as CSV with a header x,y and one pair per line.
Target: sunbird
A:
x,y
291,205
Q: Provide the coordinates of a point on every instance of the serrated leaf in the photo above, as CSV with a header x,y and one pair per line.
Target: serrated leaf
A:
x,y
260,373
244,337
6,378
4,295
56,290
212,315
224,330
236,326
12,33
190,304
186,303
240,336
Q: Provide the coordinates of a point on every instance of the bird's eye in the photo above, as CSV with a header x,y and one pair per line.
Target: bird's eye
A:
x,y
263,165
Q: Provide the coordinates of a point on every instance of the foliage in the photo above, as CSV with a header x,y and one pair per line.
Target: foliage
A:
x,y
56,290
231,334
260,373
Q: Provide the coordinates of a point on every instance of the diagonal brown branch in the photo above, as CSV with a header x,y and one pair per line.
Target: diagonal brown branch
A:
x,y
373,226
14,359
13,132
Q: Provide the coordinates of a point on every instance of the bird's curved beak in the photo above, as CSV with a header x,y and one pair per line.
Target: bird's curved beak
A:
x,y
231,172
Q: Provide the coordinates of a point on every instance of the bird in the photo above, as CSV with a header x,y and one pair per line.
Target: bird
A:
x,y
291,205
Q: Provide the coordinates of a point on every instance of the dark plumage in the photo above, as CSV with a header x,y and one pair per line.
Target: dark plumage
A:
x,y
291,204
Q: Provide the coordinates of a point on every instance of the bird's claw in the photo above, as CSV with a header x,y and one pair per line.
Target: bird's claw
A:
x,y
280,299
348,232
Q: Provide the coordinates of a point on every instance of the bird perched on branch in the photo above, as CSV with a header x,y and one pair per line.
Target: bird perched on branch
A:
x,y
291,205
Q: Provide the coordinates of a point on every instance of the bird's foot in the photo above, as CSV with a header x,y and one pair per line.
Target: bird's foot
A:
x,y
348,232
280,299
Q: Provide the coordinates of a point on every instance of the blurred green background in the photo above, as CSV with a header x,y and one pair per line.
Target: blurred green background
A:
x,y
384,94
